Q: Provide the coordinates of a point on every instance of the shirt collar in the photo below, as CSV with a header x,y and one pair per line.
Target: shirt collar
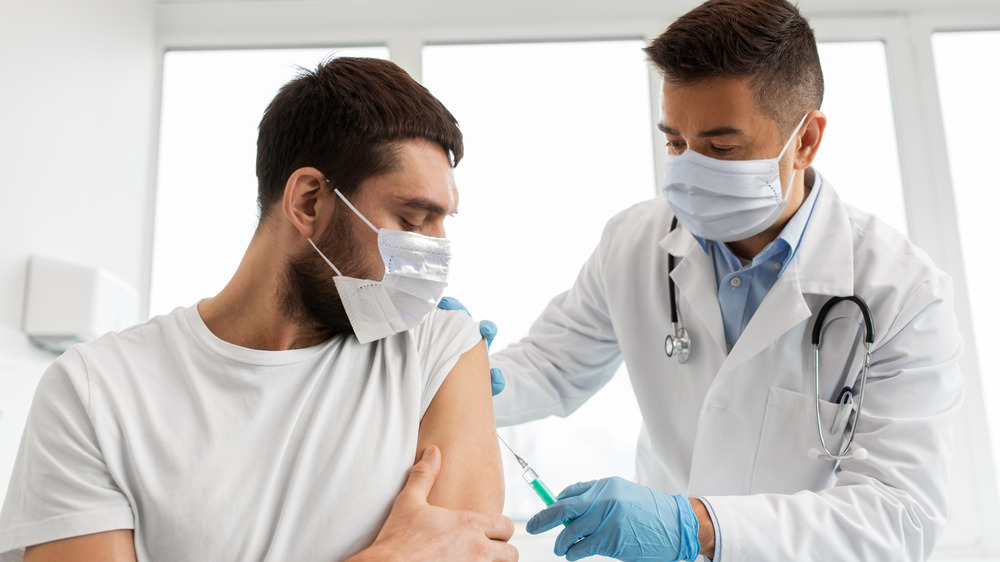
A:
x,y
787,241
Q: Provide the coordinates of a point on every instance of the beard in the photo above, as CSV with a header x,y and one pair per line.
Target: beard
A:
x,y
309,296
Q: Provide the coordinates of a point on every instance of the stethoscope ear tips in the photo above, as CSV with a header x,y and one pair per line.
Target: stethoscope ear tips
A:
x,y
814,453
860,454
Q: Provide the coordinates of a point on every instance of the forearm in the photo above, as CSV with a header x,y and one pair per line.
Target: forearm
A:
x,y
706,527
860,522
568,356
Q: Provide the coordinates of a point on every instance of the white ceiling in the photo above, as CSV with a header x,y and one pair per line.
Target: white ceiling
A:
x,y
807,6
228,23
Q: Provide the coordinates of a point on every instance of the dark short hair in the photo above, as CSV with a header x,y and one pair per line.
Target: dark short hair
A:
x,y
767,41
346,119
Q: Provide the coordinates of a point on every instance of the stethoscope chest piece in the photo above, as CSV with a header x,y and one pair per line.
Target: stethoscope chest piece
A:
x,y
678,343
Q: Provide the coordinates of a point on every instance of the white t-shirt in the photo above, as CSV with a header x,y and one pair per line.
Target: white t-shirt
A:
x,y
212,451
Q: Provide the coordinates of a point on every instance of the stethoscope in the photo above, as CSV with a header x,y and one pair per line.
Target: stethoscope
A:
x,y
680,344
846,397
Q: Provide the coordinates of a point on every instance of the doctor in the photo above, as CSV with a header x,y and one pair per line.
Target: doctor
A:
x,y
761,242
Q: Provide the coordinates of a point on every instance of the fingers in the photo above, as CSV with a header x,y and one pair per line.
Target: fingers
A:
x,y
488,330
573,502
581,529
576,489
551,517
499,528
422,476
497,380
589,546
451,303
503,552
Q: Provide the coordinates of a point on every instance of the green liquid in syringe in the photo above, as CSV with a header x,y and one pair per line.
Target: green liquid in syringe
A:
x,y
540,489
531,477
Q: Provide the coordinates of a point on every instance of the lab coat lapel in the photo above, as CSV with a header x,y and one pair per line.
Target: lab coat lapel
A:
x,y
694,275
825,260
823,264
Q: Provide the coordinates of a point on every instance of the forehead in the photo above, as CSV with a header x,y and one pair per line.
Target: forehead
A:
x,y
423,171
712,103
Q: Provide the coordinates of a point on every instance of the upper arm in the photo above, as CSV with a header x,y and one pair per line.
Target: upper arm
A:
x,y
460,422
109,546
61,485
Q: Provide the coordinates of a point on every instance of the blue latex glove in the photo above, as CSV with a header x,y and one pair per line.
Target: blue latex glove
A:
x,y
488,330
617,518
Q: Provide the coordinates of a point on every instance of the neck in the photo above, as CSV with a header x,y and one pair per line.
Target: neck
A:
x,y
750,247
248,312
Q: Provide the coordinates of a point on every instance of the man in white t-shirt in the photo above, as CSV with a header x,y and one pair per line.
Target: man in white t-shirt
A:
x,y
280,419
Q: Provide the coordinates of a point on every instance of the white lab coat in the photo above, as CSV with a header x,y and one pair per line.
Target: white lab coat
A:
x,y
736,427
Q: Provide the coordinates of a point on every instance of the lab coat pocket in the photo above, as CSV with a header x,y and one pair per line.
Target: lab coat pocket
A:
x,y
783,464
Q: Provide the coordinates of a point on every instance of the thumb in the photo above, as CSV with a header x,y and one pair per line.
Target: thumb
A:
x,y
422,476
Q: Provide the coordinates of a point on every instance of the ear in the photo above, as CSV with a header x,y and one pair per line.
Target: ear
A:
x,y
303,198
809,141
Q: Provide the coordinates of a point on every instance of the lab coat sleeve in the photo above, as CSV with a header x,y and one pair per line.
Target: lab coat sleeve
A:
x,y
894,504
569,353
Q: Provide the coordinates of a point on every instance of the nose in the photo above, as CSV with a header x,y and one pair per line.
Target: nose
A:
x,y
437,231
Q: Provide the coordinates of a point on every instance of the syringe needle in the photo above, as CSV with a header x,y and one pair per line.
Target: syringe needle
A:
x,y
531,477
520,461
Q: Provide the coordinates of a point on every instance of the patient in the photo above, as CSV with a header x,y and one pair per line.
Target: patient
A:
x,y
278,420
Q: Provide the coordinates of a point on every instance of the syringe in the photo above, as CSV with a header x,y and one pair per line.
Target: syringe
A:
x,y
531,477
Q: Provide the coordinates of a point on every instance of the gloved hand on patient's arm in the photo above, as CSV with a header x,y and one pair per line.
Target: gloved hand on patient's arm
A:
x,y
617,518
416,530
487,329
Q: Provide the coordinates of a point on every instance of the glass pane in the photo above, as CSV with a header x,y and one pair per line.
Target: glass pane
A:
x,y
859,155
558,139
207,186
968,94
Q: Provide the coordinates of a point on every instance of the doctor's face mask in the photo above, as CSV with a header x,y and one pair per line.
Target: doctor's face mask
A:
x,y
726,200
415,277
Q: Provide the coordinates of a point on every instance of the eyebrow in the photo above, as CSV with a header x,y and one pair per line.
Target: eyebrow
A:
x,y
425,204
716,132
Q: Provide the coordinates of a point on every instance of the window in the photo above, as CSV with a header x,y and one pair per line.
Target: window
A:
x,y
558,139
859,155
968,94
206,208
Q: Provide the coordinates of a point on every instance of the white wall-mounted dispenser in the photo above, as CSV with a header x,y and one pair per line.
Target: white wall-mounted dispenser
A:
x,y
66,303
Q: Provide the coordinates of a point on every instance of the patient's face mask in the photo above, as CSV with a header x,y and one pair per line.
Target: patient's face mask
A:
x,y
416,274
726,200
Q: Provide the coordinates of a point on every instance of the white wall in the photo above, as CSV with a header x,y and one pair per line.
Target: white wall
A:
x,y
79,88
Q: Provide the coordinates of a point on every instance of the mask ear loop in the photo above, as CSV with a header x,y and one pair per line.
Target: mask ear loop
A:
x,y
356,212
330,263
788,143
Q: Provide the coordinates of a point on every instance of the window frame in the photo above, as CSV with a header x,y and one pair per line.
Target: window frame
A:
x,y
927,187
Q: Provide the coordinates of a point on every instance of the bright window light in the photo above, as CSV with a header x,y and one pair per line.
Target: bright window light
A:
x,y
206,193
558,140
968,94
859,155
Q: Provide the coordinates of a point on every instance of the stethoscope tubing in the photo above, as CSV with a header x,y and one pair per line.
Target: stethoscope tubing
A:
x,y
678,343
843,453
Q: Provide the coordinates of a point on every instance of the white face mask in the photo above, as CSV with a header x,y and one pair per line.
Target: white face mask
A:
x,y
416,274
726,200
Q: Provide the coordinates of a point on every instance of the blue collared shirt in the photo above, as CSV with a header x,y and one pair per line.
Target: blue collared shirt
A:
x,y
743,284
